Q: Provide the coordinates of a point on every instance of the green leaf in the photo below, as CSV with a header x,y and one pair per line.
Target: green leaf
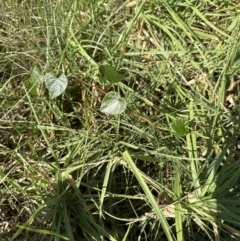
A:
x,y
33,83
180,127
55,86
113,104
149,196
109,75
36,75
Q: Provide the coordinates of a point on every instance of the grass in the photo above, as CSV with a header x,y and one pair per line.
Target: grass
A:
x,y
167,168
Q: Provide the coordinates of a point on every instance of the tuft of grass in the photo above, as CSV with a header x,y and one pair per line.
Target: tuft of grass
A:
x,y
167,168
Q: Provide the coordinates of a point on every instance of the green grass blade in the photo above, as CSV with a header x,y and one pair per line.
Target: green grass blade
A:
x,y
200,15
214,169
178,206
149,195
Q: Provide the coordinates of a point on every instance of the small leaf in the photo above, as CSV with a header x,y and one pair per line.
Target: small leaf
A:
x,y
109,75
32,88
56,86
32,84
113,104
181,127
36,75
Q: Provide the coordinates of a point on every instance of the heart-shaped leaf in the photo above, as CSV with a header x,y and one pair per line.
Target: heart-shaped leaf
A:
x,y
113,104
32,84
36,75
109,75
56,86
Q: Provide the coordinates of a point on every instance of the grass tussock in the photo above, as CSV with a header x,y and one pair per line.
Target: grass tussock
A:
x,y
167,168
